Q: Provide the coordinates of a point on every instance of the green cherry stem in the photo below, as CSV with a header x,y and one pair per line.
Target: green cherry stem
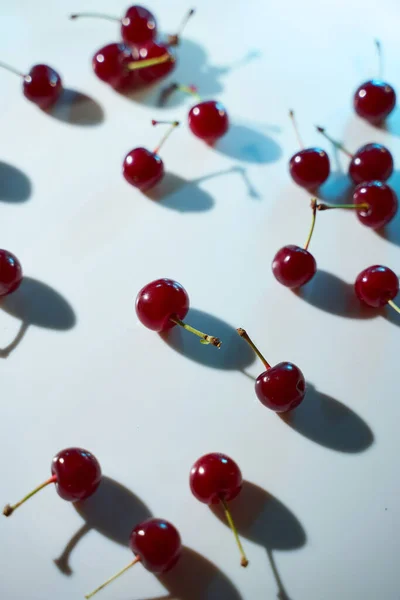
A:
x,y
173,125
314,214
323,206
243,559
335,143
177,87
243,334
149,62
204,337
296,129
393,305
9,509
103,585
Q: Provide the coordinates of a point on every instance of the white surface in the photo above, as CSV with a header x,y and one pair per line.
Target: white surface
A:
x,y
146,411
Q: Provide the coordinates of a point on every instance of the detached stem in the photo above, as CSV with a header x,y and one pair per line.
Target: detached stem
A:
x,y
380,58
205,338
243,561
173,125
12,69
95,16
9,509
314,214
246,337
393,305
335,143
103,585
296,129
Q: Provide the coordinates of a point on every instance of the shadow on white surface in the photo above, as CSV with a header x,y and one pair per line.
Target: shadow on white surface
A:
x,y
263,519
326,421
232,355
338,189
15,186
248,145
391,232
77,108
392,123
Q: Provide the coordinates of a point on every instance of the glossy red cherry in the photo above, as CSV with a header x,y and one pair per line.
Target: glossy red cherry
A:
x,y
280,388
377,286
153,51
208,120
293,266
381,200
371,162
42,85
215,478
110,64
10,273
374,100
76,474
310,168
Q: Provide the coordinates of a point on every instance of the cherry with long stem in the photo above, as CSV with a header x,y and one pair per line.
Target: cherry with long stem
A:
x,y
10,508
113,578
42,85
308,167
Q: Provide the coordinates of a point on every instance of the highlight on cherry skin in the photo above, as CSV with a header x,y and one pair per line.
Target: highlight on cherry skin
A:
x,y
42,85
216,479
144,169
281,387
164,303
377,286
294,266
76,474
309,167
370,162
156,544
10,273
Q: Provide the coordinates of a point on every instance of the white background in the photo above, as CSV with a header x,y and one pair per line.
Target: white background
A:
x,y
326,507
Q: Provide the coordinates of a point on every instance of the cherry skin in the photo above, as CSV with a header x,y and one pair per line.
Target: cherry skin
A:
x,y
138,26
281,388
310,168
157,543
215,476
143,169
372,161
160,300
10,273
149,75
382,203
42,86
110,65
376,285
293,266
78,474
208,121
374,100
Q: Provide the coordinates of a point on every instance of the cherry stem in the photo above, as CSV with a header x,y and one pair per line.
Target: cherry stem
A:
x,y
243,561
380,58
393,305
246,337
149,62
8,510
337,144
173,40
323,206
103,585
314,214
12,69
173,125
296,129
205,339
95,16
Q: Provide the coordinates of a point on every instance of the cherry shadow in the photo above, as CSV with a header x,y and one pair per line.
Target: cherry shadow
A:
x,y
232,355
326,421
248,145
112,511
15,186
338,189
392,123
35,303
77,108
391,232
263,519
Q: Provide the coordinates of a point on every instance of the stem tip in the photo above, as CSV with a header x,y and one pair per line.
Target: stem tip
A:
x,y
8,510
244,562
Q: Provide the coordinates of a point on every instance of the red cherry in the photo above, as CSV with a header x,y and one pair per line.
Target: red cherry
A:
x,y
371,162
10,273
138,26
374,100
381,200
151,51
280,388
293,266
377,286
215,478
309,167
110,64
42,85
208,120
76,474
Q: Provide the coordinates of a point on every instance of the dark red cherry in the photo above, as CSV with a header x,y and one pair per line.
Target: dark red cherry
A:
x,y
153,50
142,168
310,168
215,476
160,300
10,273
42,85
374,100
208,120
376,286
110,65
157,543
372,161
293,266
138,26
381,200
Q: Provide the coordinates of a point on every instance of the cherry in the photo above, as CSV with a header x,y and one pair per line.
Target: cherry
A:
x,y
280,388
294,266
377,286
42,85
375,99
215,478
156,543
76,474
158,53
310,167
381,203
370,162
10,273
164,303
144,169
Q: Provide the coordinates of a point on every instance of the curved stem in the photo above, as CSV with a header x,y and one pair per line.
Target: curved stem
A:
x,y
335,143
9,509
243,560
173,125
205,338
149,62
243,333
95,16
380,58
323,206
393,305
103,585
296,129
314,214
11,69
